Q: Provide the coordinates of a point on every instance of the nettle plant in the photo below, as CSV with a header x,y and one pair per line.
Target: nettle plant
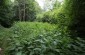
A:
x,y
45,44
47,41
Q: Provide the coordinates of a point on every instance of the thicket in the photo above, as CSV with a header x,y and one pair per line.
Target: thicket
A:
x,y
75,11
28,38
70,14
53,17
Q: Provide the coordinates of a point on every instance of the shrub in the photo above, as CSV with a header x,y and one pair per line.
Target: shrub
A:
x,y
53,17
46,17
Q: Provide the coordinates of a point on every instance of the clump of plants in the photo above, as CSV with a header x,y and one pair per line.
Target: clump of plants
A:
x,y
36,39
53,17
28,38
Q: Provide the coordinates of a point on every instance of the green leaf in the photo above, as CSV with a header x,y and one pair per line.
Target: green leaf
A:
x,y
19,53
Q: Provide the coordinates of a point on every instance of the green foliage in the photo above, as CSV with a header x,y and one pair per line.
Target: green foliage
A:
x,y
32,29
69,14
46,17
74,10
29,11
6,14
4,39
53,17
37,38
9,11
57,5
34,38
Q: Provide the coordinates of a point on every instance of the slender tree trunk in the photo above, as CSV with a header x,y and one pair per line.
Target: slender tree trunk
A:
x,y
1,52
19,14
24,12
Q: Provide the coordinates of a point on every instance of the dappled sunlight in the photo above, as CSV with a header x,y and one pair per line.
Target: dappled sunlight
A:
x,y
41,3
60,0
12,0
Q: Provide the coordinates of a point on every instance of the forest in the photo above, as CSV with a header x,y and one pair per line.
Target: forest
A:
x,y
42,27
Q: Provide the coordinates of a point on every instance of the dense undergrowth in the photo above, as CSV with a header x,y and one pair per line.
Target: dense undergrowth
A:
x,y
54,32
34,38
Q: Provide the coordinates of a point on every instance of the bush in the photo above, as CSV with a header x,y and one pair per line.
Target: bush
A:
x,y
75,12
46,17
53,17
4,39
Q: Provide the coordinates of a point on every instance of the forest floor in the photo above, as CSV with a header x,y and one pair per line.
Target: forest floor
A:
x,y
40,37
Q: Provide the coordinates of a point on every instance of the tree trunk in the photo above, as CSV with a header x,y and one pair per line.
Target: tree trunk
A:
x,y
24,12
19,14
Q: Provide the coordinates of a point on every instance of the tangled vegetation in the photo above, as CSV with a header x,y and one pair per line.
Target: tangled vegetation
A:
x,y
39,39
26,29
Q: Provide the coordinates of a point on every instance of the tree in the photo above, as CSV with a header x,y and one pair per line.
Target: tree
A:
x,y
56,5
75,12
6,13
26,10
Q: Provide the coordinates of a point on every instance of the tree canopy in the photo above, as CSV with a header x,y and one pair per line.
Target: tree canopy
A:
x,y
20,10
